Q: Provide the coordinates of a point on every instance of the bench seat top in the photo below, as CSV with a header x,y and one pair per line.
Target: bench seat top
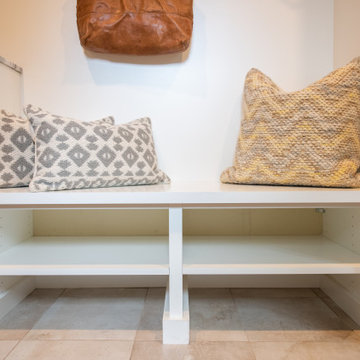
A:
x,y
183,194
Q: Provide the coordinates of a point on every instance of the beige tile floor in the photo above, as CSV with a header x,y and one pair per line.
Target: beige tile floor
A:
x,y
226,324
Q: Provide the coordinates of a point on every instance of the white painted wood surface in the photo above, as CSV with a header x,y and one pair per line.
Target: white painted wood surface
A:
x,y
249,255
14,294
175,263
343,227
194,281
174,256
177,330
15,227
151,255
183,194
87,256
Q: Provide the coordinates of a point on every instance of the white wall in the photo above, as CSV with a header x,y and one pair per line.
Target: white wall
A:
x,y
10,89
193,99
346,31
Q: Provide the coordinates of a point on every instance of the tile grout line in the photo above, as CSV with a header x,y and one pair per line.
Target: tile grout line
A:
x,y
32,328
138,325
234,304
143,310
252,349
340,313
75,339
7,355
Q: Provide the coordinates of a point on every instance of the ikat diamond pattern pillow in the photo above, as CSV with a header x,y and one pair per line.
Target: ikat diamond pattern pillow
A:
x,y
73,155
36,115
16,151
309,137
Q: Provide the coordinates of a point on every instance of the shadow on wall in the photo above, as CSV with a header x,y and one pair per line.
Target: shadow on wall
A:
x,y
188,69
141,60
232,131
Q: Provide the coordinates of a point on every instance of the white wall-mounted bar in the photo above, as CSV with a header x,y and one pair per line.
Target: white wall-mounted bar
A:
x,y
11,65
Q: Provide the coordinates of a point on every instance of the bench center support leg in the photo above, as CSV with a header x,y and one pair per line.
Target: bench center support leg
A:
x,y
176,311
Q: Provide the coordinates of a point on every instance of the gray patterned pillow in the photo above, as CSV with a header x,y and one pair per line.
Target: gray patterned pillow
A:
x,y
16,151
73,155
36,115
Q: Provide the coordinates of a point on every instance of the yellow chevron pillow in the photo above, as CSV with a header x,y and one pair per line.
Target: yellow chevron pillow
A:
x,y
308,137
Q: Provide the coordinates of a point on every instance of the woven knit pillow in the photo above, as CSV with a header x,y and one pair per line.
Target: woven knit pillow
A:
x,y
16,151
72,155
308,137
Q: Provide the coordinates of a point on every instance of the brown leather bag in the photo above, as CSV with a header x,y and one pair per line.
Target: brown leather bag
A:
x,y
135,27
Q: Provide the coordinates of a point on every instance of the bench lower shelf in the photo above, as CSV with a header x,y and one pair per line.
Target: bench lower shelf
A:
x,y
208,255
87,256
253,255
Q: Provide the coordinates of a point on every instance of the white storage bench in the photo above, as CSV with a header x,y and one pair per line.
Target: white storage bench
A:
x,y
25,255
